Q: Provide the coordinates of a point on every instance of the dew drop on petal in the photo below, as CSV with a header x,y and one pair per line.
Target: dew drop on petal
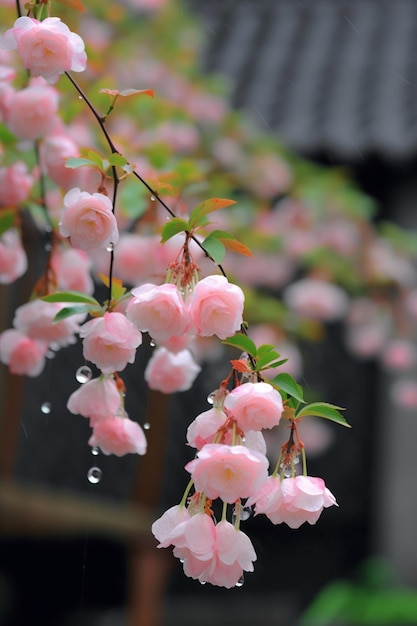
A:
x,y
240,581
83,374
46,408
94,475
146,426
110,247
95,451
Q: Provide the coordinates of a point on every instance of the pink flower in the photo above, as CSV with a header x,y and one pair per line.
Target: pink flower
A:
x,y
36,319
204,427
87,220
119,436
317,299
13,260
32,112
234,555
72,270
255,406
98,399
47,48
403,393
15,184
217,554
168,372
110,341
162,528
23,355
216,307
293,500
159,310
228,472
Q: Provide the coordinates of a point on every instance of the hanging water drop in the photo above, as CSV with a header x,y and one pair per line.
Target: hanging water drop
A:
x,y
48,247
152,343
240,581
211,396
146,426
95,450
83,374
245,513
110,247
46,408
203,582
94,475
153,198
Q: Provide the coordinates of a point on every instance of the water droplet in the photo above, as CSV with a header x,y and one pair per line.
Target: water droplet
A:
x,y
243,439
203,582
48,247
181,560
288,472
153,198
83,374
46,408
95,451
94,475
146,426
245,513
211,396
80,97
152,343
110,247
240,581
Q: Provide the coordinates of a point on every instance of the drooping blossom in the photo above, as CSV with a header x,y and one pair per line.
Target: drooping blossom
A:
x,y
47,48
169,372
134,256
97,399
228,472
203,428
293,500
13,259
119,436
110,341
36,319
217,554
88,220
23,355
159,310
169,520
255,406
15,184
32,112
216,307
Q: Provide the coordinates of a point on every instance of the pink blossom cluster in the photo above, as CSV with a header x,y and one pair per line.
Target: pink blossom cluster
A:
x,y
35,336
100,401
231,465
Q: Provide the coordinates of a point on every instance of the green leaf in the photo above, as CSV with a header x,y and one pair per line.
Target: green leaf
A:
x,y
96,158
242,342
324,410
264,348
70,296
199,213
266,359
230,242
173,227
214,248
73,163
287,383
6,220
117,159
70,311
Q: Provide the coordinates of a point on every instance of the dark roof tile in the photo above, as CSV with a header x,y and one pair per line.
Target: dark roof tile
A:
x,y
335,75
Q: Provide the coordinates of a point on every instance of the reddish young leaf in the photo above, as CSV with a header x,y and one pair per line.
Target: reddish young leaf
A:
x,y
198,215
73,4
240,366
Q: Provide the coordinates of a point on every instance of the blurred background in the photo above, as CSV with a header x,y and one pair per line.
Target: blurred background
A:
x,y
329,88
